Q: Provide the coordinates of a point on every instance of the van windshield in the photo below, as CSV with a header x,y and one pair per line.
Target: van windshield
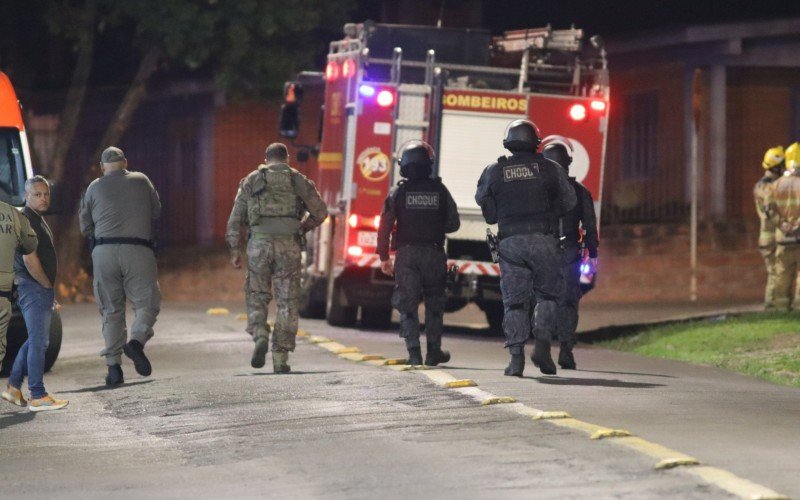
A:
x,y
12,167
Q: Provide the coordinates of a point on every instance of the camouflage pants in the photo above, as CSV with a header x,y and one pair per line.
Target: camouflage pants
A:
x,y
420,273
769,291
539,280
273,261
787,259
567,321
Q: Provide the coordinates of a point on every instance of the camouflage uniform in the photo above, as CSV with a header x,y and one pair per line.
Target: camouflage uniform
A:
x,y
766,237
16,234
271,202
783,207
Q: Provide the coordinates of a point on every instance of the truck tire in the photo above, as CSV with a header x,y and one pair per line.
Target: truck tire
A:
x,y
338,313
18,334
376,318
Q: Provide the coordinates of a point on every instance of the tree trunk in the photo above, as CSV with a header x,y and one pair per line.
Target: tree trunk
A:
x,y
74,280
76,94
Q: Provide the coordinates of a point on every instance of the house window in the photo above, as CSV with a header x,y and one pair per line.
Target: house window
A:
x,y
640,135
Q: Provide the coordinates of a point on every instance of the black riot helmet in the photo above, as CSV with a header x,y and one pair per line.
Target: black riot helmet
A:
x,y
522,136
558,149
416,159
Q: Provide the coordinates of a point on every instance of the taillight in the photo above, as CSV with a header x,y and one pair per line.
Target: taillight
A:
x,y
332,71
376,221
598,105
355,251
385,98
577,112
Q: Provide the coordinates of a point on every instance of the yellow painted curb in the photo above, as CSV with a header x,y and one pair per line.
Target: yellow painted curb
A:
x,y
372,357
241,317
332,346
549,415
314,339
497,400
352,356
396,361
578,425
218,311
460,383
671,463
660,453
347,350
735,484
610,433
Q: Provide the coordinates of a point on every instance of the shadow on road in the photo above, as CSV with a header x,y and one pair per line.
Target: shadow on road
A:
x,y
629,373
101,388
594,382
9,419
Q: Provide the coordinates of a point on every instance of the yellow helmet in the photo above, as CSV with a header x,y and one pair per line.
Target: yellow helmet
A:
x,y
773,157
793,156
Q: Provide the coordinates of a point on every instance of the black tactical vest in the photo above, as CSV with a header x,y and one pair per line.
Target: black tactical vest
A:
x,y
524,188
421,209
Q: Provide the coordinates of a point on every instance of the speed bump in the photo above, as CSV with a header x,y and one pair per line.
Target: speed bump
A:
x,y
610,433
319,340
347,350
218,311
671,463
550,415
497,400
352,356
241,317
372,357
396,361
454,384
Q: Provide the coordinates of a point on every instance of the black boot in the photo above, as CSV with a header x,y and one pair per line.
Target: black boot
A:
x,y
114,376
436,355
517,364
541,357
415,356
565,358
135,350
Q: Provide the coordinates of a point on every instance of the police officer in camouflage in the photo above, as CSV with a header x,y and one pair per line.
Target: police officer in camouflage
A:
x,y
278,205
16,234
424,211
117,214
579,231
525,194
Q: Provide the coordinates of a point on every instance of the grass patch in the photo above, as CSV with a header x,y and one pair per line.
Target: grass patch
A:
x,y
764,345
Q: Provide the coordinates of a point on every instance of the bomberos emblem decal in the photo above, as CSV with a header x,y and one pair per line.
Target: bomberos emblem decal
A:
x,y
374,164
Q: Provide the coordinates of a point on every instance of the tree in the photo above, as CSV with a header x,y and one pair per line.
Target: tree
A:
x,y
250,47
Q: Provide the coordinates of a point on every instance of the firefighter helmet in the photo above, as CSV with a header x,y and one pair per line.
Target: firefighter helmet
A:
x,y
416,159
793,156
522,135
774,157
558,149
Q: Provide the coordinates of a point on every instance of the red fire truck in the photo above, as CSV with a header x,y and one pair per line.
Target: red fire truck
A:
x,y
457,89
15,168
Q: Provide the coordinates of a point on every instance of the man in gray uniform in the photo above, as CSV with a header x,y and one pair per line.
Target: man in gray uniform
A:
x,y
424,211
117,213
16,235
525,194
579,232
278,205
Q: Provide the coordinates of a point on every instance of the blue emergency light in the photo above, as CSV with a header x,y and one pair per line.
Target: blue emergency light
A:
x,y
366,90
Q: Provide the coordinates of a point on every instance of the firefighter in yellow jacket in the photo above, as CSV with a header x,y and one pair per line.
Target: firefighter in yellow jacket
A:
x,y
774,163
783,208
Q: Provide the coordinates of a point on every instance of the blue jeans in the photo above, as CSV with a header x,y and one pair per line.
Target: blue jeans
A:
x,y
36,304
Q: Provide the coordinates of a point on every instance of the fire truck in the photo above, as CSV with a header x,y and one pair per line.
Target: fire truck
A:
x,y
457,89
15,168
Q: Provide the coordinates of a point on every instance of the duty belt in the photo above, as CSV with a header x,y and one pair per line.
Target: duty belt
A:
x,y
7,294
125,241
525,227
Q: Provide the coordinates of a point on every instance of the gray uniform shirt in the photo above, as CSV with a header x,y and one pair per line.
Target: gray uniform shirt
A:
x,y
120,204
16,235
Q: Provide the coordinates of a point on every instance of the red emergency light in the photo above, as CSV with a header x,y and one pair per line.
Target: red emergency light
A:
x,y
355,251
352,221
348,68
577,112
385,98
376,222
598,105
332,71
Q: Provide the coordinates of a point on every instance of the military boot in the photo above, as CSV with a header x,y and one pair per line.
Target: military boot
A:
x,y
280,362
415,356
517,364
541,357
565,358
436,355
259,353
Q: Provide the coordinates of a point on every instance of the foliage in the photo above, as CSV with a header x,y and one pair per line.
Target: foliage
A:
x,y
765,345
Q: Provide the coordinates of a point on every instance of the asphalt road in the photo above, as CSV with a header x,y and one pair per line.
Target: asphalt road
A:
x,y
206,425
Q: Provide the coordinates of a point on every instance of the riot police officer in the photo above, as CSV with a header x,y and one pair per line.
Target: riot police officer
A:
x,y
579,232
424,211
525,194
